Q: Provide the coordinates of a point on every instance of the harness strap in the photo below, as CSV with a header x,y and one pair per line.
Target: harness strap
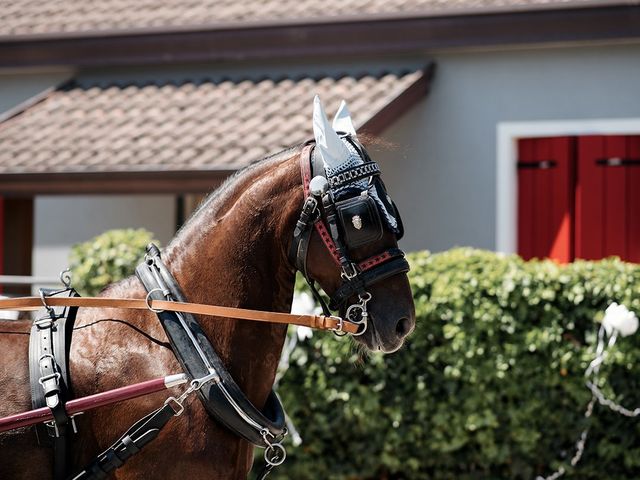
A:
x,y
320,322
49,343
138,436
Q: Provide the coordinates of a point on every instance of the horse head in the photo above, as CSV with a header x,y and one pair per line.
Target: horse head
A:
x,y
352,252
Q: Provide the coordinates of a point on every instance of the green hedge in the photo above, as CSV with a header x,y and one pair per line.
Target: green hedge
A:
x,y
107,258
490,385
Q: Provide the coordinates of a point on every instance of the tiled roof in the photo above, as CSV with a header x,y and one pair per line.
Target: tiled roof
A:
x,y
196,125
27,17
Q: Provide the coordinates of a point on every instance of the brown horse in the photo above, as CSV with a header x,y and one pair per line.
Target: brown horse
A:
x,y
232,252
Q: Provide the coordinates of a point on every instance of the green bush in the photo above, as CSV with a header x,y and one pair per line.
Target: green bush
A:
x,y
490,385
107,258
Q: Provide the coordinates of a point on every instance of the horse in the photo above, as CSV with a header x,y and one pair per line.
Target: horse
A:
x,y
234,251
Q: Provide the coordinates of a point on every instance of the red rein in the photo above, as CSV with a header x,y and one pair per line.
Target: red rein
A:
x,y
84,404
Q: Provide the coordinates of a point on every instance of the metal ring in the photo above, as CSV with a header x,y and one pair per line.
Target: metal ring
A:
x,y
148,299
364,324
363,317
272,454
352,308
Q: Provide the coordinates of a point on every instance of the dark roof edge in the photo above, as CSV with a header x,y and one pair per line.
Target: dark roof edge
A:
x,y
90,183
357,36
274,23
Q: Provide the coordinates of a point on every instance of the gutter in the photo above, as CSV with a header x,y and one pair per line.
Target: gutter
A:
x,y
324,38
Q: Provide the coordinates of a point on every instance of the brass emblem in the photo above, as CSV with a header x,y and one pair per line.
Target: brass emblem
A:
x,y
357,222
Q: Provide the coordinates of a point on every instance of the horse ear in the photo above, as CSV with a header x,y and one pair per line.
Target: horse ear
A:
x,y
342,121
332,151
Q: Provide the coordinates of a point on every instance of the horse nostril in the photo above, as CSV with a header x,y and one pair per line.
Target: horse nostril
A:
x,y
403,327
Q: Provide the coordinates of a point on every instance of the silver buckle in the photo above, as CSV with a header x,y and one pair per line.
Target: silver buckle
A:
x,y
339,330
346,275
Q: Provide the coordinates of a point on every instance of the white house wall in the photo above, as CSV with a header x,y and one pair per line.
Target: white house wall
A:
x,y
61,221
443,172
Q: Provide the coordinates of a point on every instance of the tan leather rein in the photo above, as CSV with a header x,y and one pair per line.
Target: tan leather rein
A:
x,y
320,322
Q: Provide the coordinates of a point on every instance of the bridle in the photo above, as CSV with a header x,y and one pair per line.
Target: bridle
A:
x,y
345,221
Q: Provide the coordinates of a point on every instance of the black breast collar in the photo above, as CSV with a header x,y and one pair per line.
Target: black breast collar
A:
x,y
222,398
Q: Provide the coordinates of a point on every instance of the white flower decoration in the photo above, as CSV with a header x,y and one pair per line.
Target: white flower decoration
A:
x,y
618,317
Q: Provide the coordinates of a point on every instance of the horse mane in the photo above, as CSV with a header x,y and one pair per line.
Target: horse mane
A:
x,y
213,201
217,197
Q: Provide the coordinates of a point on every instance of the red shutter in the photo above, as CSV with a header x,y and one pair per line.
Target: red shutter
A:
x,y
526,199
545,198
589,204
607,197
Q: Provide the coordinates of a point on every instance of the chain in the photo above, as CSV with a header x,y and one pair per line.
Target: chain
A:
x,y
594,367
604,401
596,395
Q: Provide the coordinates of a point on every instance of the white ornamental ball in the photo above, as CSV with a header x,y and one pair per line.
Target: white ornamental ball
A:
x,y
618,317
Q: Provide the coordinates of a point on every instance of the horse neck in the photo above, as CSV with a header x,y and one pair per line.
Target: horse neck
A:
x,y
233,253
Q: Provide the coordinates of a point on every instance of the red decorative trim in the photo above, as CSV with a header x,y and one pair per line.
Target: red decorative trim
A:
x,y
328,241
305,169
374,261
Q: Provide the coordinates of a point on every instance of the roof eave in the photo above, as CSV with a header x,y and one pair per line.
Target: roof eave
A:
x,y
91,183
327,38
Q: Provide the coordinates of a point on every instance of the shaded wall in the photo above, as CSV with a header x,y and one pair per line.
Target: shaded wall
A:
x,y
443,172
61,221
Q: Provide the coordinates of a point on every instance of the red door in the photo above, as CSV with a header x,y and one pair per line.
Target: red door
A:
x,y
579,197
545,198
608,197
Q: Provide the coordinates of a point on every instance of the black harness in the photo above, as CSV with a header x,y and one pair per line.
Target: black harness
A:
x,y
222,397
49,344
344,224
